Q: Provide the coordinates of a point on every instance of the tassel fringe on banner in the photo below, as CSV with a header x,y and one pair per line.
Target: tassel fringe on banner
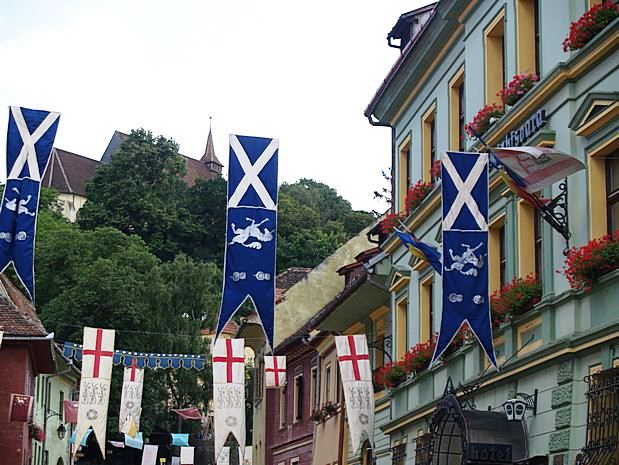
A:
x,y
144,360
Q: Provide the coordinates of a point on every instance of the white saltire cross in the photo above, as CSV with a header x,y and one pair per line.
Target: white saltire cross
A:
x,y
464,192
28,152
251,173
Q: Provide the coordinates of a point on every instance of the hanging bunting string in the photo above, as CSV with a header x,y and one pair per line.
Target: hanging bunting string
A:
x,y
143,359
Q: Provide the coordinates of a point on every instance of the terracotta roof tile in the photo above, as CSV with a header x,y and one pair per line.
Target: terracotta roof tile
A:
x,y
18,317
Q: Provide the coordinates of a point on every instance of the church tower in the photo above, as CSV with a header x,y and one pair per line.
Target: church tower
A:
x,y
209,158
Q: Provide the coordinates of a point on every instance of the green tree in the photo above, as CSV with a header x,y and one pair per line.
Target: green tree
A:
x,y
140,192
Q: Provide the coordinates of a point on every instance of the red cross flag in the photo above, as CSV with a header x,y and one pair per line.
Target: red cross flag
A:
x,y
229,391
275,371
97,362
229,361
354,358
131,399
356,372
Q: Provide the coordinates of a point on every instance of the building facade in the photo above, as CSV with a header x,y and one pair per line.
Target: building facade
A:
x,y
26,353
563,350
51,391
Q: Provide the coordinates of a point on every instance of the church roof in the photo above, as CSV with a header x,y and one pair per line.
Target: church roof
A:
x,y
209,153
196,169
68,172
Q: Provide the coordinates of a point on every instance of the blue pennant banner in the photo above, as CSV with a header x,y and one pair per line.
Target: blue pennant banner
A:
x,y
144,360
29,143
249,270
464,182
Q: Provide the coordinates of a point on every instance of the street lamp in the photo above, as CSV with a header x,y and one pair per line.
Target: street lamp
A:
x,y
61,431
516,408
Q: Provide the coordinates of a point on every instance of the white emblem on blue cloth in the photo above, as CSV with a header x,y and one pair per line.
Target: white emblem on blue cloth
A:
x,y
467,257
251,232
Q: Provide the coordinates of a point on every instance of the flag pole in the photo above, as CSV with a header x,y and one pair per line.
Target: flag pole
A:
x,y
547,213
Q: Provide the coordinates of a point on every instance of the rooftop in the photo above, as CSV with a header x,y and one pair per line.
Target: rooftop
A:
x,y
18,316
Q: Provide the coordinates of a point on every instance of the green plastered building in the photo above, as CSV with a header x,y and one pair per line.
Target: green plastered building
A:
x,y
454,58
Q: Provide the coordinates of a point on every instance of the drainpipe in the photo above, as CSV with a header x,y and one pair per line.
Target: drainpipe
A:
x,y
374,122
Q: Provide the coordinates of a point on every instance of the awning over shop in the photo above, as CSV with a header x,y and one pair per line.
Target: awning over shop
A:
x,y
475,436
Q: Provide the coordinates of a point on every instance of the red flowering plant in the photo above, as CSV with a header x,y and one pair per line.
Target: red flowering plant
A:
x,y
390,374
419,356
517,87
36,432
389,222
515,298
583,265
483,119
590,24
417,193
435,170
414,362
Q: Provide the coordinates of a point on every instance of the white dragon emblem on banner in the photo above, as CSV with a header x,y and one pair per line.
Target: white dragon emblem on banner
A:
x,y
251,233
467,257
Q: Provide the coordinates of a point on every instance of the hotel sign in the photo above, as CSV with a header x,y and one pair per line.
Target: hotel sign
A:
x,y
519,136
478,453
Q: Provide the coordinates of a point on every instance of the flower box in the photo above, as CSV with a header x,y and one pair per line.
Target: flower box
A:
x,y
584,265
513,91
514,299
390,222
590,24
417,193
484,119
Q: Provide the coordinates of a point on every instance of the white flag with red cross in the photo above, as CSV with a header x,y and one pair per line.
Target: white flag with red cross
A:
x,y
356,372
97,361
275,371
229,391
131,399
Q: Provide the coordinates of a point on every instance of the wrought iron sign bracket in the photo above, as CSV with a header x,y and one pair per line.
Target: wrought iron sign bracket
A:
x,y
555,213
383,345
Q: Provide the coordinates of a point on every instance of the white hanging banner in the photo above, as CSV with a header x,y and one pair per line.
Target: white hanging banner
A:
x,y
224,456
356,373
247,460
1,335
229,391
187,455
149,454
97,356
275,371
131,400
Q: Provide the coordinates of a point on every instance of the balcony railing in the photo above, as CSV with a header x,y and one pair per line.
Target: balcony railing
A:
x,y
602,446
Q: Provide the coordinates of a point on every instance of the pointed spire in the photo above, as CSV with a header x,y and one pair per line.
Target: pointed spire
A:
x,y
209,158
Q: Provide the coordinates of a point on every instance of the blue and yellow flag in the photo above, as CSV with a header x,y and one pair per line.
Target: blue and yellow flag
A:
x,y
421,250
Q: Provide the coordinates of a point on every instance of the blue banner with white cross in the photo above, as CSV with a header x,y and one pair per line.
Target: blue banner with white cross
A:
x,y
29,143
464,183
249,268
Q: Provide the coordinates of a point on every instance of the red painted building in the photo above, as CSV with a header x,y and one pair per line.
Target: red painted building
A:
x,y
26,351
290,429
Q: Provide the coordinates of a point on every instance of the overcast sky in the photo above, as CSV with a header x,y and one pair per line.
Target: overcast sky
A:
x,y
302,72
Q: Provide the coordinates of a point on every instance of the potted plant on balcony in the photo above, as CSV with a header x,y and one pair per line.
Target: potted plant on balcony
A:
x,y
515,298
590,24
584,265
417,193
317,416
515,89
484,119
